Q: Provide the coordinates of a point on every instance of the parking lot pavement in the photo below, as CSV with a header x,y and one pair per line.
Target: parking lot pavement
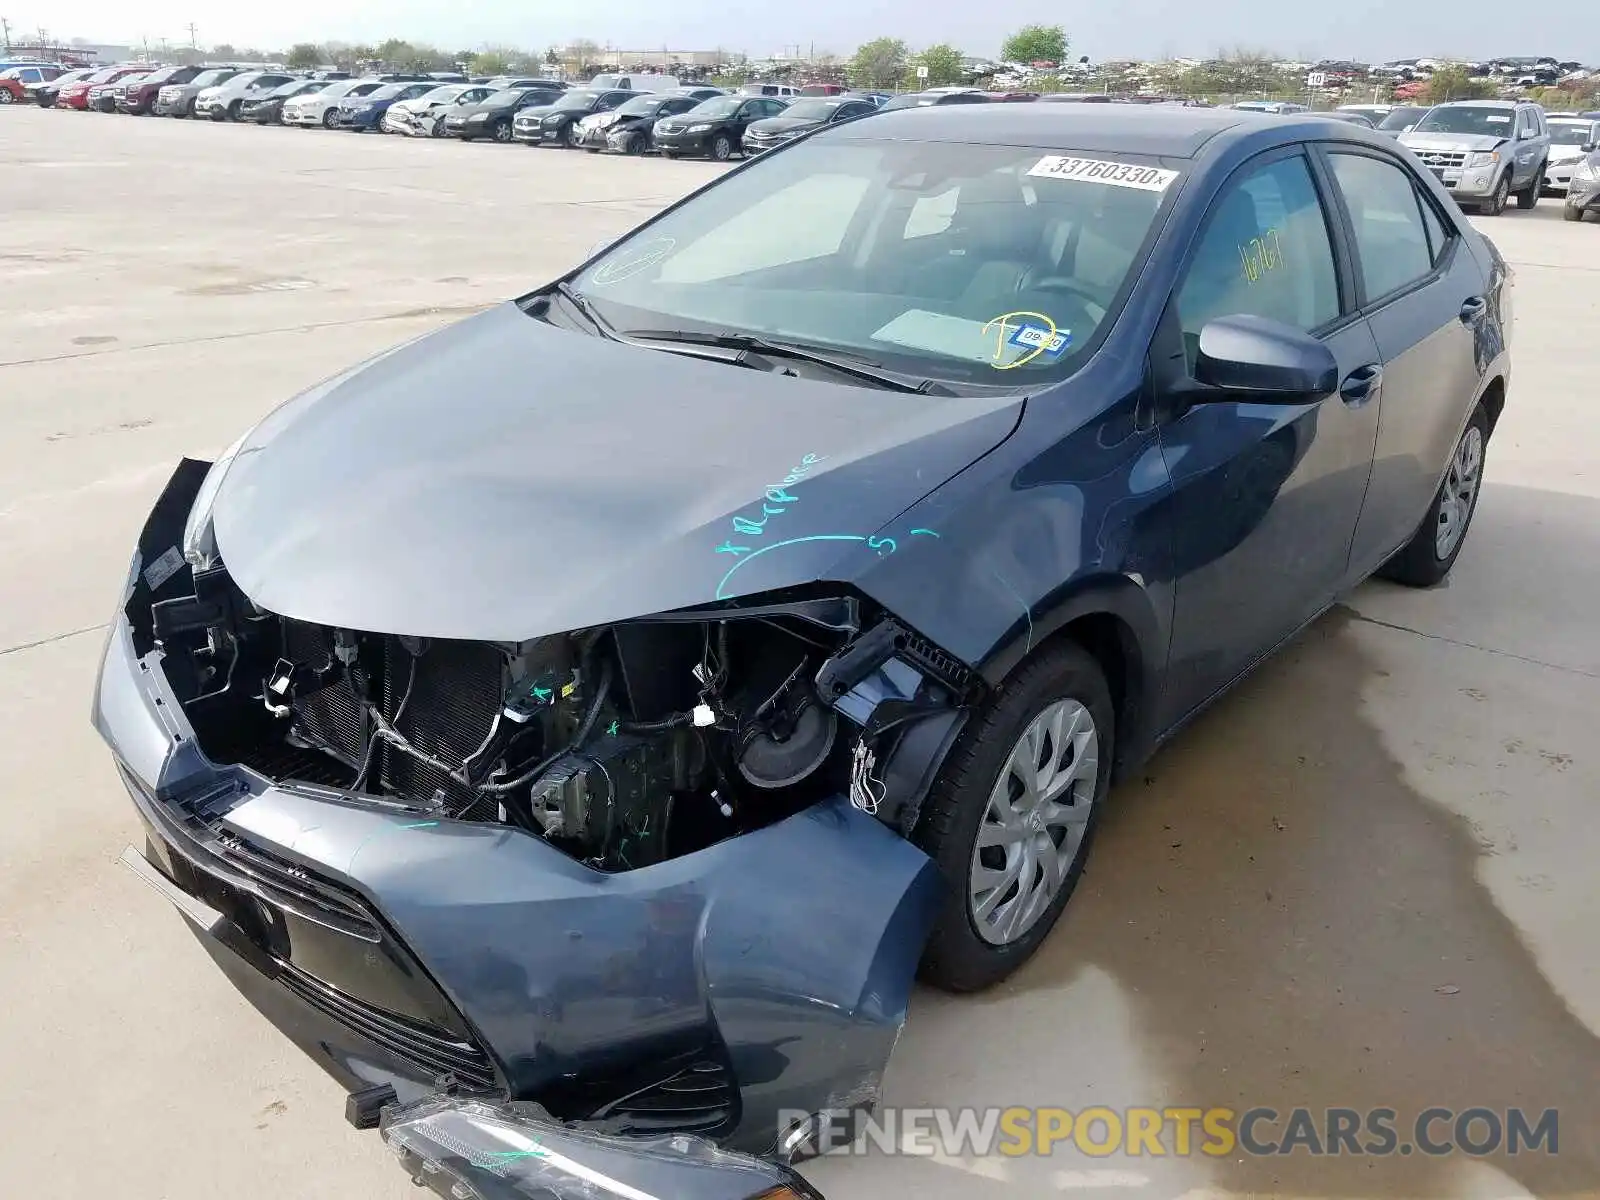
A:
x,y
1365,879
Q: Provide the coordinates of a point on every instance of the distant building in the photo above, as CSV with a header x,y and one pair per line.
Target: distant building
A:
x,y
632,60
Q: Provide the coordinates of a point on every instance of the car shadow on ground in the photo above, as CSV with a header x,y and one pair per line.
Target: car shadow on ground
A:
x,y
1287,923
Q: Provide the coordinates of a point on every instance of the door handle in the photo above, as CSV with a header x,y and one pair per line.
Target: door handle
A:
x,y
1472,309
1361,385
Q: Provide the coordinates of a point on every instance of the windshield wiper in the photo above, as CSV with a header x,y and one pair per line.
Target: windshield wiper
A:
x,y
840,361
581,302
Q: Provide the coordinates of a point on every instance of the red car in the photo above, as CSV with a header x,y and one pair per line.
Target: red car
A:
x,y
76,95
14,81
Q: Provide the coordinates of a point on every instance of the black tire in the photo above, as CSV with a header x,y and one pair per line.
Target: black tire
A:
x,y
232,113
1418,563
330,119
1496,204
501,132
721,148
1529,196
1570,212
957,958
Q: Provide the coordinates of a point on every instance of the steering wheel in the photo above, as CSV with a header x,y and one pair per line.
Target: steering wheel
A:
x,y
1062,283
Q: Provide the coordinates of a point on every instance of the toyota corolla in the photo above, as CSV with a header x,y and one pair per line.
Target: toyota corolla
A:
x,y
625,741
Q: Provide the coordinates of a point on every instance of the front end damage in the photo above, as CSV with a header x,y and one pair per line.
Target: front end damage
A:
x,y
652,876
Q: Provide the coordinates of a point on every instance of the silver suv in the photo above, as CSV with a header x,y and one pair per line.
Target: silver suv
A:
x,y
1485,151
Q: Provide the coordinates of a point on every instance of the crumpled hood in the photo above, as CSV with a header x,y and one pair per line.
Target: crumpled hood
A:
x,y
1457,142
504,479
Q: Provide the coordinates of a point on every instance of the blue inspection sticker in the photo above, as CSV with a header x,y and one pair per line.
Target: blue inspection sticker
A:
x,y
1051,344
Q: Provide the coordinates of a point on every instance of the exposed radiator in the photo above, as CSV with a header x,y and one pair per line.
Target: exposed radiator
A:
x,y
457,689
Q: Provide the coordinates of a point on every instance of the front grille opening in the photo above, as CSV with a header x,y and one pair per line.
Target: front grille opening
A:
x,y
684,1093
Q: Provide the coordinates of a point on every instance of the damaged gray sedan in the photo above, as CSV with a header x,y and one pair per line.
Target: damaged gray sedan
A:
x,y
609,702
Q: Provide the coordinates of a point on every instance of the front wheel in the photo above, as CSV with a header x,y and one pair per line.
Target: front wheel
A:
x,y
1011,815
1496,204
5,96
502,132
572,136
721,147
1427,558
330,119
1571,212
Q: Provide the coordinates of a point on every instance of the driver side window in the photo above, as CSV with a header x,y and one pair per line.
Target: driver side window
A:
x,y
1265,251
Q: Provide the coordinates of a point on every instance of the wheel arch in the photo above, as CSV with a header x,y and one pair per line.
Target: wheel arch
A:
x,y
1493,401
1114,619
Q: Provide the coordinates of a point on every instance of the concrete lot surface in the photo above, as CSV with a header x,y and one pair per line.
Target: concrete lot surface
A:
x,y
1366,879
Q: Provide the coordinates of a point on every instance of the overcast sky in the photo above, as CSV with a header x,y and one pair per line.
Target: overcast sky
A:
x,y
1362,29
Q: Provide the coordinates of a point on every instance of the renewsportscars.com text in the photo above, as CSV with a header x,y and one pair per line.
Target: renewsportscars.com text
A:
x,y
1180,1132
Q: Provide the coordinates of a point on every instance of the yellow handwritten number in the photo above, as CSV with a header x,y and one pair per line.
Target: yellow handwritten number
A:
x,y
1000,339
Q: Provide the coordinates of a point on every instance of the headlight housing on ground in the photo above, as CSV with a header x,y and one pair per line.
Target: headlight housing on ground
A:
x,y
465,1149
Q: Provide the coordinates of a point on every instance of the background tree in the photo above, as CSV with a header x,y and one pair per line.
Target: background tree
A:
x,y
489,62
585,55
224,51
1453,83
304,56
880,63
1036,43
944,63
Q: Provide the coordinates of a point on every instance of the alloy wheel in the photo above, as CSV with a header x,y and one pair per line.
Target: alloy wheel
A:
x,y
5,96
1460,488
721,148
1032,830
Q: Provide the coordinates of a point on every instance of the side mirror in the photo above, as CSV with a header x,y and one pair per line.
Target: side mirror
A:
x,y
1589,147
1253,358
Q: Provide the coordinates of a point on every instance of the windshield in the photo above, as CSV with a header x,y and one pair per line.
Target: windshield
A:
x,y
506,98
161,76
299,87
1571,133
604,81
388,91
105,76
212,78
941,260
812,110
915,100
717,107
642,107
579,99
1401,117
441,95
1466,118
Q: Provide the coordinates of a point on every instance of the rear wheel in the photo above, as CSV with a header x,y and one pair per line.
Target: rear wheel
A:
x,y
1571,212
1010,818
1529,196
1427,558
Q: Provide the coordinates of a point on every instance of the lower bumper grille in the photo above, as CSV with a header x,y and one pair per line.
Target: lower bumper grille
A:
x,y
699,1098
427,1047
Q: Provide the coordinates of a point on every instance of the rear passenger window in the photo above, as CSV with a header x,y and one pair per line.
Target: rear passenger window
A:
x,y
1438,236
1265,252
1386,215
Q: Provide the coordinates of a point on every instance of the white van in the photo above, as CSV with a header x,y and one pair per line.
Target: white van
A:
x,y
784,90
639,82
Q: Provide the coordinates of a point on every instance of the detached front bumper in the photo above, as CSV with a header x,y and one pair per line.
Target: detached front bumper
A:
x,y
710,993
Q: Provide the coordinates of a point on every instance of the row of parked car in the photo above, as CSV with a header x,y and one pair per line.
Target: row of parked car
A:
x,y
620,113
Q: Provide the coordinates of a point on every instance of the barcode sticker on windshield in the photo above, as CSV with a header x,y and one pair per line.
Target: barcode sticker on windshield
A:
x,y
1096,170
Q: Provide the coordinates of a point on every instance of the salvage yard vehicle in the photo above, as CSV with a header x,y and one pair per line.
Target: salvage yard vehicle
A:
x,y
1571,138
491,117
107,97
362,113
626,749
223,101
1485,151
423,116
556,124
1583,189
715,128
46,93
18,83
267,108
178,99
803,116
139,98
76,94
627,129
322,107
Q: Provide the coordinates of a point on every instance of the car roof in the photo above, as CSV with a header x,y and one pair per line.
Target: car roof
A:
x,y
1482,103
1100,128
